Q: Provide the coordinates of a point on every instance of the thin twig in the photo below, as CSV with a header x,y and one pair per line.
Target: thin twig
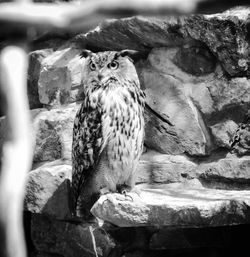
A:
x,y
91,231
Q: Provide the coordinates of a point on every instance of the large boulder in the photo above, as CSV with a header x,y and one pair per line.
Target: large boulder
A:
x,y
224,34
35,64
202,111
165,88
48,190
227,172
155,167
48,185
69,239
54,133
59,81
177,204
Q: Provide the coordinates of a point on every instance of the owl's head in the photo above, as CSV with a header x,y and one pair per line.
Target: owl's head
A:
x,y
109,67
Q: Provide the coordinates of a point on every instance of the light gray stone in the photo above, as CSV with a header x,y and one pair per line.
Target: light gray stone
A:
x,y
176,204
144,33
54,130
223,133
35,65
162,168
229,172
167,95
225,93
48,185
60,77
48,190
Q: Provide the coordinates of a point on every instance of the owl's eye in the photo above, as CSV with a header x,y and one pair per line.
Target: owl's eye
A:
x,y
113,65
92,66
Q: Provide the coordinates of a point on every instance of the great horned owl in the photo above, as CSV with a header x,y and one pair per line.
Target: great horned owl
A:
x,y
109,127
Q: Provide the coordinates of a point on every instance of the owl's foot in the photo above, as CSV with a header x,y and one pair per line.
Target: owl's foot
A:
x,y
126,190
126,194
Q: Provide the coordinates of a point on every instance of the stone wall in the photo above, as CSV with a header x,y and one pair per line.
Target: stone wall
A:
x,y
196,168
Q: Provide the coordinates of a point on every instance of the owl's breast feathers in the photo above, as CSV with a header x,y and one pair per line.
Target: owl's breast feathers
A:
x,y
110,120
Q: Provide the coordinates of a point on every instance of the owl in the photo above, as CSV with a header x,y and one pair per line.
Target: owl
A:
x,y
108,129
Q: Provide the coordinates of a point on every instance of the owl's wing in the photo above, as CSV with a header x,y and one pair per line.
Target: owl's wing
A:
x,y
87,146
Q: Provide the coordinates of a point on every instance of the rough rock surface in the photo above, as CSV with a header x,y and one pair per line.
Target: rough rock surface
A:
x,y
167,95
162,168
174,204
35,63
48,190
226,173
68,239
223,132
48,185
54,133
185,75
59,81
224,34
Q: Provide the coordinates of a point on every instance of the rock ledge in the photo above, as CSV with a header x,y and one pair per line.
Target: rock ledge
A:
x,y
177,204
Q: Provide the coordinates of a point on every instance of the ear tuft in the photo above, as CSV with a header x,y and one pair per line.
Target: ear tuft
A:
x,y
85,53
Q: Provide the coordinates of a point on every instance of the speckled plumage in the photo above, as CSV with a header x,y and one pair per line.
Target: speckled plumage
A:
x,y
109,126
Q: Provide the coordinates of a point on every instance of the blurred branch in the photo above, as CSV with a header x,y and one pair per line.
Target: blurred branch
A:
x,y
17,150
85,15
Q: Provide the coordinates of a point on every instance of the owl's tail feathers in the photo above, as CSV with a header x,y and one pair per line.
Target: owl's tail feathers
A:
x,y
76,187
83,206
72,201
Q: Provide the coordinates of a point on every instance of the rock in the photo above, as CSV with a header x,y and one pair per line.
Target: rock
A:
x,y
48,185
133,33
175,204
69,239
4,128
225,173
196,60
60,77
181,238
162,168
223,133
166,95
204,100
229,92
160,135
48,190
35,60
241,139
226,239
231,48
54,130
44,254
224,34
221,98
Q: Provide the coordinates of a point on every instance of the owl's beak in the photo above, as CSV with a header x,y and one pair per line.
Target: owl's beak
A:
x,y
100,76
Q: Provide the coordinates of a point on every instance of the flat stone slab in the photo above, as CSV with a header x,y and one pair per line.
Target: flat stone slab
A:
x,y
177,204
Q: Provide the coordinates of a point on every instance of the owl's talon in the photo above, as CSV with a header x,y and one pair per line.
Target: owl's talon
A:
x,y
125,193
